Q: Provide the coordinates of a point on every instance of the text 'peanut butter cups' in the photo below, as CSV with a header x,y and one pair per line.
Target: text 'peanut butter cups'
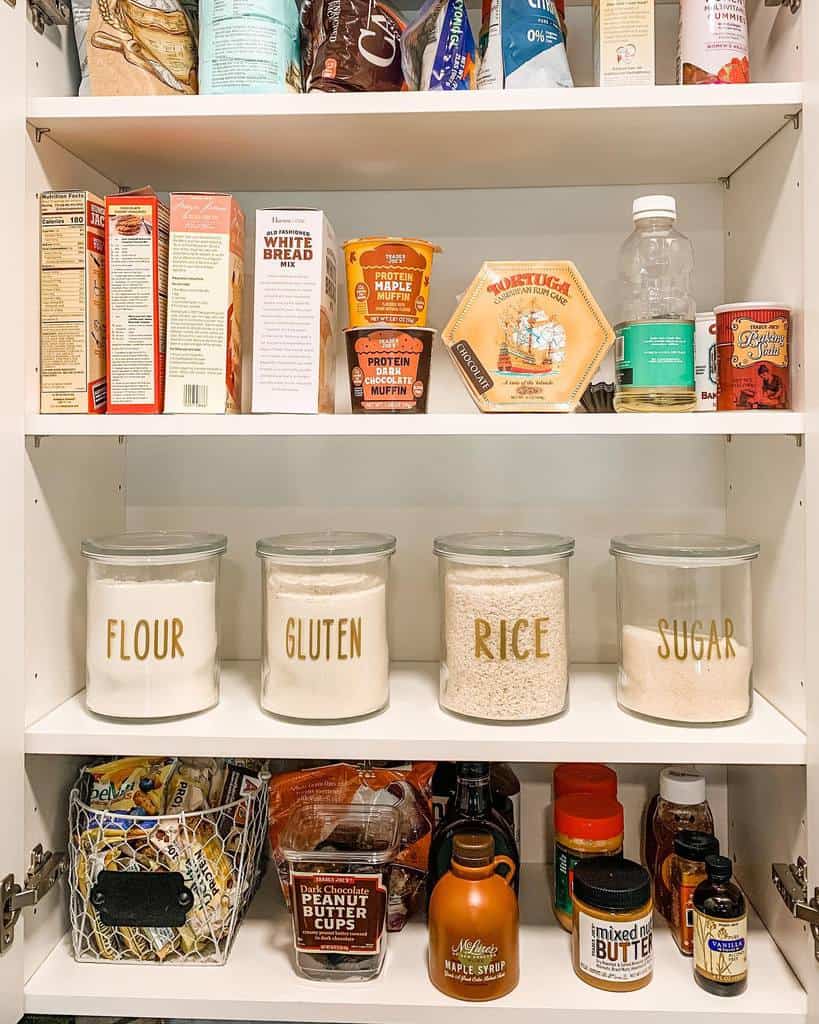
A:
x,y
389,368
388,280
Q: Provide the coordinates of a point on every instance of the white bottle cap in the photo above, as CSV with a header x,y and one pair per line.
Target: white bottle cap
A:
x,y
654,206
682,786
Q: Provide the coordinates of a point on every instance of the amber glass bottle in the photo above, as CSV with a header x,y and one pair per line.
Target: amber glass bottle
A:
x,y
473,923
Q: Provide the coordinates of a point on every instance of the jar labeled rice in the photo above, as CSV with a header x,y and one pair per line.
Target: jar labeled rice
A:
x,y
684,621
504,624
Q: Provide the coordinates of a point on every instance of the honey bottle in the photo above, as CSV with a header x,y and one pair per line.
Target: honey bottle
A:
x,y
473,923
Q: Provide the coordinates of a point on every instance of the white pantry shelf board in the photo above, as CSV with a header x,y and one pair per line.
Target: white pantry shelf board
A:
x,y
259,983
431,425
487,139
413,727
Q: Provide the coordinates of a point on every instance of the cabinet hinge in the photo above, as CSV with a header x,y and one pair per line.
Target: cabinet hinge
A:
x,y
48,12
791,880
45,869
792,5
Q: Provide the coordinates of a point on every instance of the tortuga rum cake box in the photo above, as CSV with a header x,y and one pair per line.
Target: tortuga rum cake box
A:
x,y
528,336
72,302
203,367
136,288
295,308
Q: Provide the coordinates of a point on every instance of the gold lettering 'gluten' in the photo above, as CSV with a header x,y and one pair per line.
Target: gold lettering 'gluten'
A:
x,y
323,639
511,639
153,639
696,640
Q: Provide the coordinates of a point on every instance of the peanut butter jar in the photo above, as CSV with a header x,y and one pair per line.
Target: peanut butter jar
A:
x,y
613,925
388,280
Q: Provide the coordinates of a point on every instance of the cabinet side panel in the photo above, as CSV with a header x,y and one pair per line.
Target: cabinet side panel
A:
x,y
75,488
52,65
775,42
765,501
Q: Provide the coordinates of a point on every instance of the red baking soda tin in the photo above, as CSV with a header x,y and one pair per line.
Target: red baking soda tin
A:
x,y
753,356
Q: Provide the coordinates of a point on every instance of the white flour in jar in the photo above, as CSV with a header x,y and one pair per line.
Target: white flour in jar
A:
x,y
697,690
326,650
151,647
506,647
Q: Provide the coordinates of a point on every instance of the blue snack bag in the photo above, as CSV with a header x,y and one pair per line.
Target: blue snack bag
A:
x,y
438,48
533,45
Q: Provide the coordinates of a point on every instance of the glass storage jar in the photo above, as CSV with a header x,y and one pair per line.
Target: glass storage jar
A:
x,y
684,626
325,653
151,623
504,622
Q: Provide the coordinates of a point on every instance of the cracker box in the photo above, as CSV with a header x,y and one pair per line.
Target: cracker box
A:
x,y
294,312
72,302
623,32
136,288
203,371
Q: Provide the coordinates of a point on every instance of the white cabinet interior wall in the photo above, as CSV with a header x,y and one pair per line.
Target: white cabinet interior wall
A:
x,y
452,470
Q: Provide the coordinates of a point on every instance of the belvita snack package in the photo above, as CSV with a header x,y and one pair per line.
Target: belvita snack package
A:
x,y
528,336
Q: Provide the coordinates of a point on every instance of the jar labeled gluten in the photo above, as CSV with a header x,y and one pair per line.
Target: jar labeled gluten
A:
x,y
504,624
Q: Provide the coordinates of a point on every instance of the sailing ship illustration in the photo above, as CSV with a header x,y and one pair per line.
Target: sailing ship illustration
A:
x,y
532,343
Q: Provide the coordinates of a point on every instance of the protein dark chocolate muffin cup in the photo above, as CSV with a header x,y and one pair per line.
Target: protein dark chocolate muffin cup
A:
x,y
388,368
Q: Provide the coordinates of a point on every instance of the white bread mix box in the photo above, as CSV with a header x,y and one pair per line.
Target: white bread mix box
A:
x,y
295,308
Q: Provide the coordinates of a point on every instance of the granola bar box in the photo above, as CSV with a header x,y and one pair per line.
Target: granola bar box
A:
x,y
136,289
72,302
528,336
203,372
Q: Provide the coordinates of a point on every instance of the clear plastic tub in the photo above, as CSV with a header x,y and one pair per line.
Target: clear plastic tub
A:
x,y
325,653
338,860
504,624
151,634
684,618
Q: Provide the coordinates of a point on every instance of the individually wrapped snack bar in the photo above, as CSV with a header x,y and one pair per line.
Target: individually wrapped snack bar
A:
x,y
438,48
523,46
132,785
350,46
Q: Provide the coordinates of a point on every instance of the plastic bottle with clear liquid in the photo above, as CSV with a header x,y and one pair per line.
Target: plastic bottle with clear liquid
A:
x,y
655,340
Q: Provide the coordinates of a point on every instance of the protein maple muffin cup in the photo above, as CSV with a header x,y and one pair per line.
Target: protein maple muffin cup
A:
x,y
388,280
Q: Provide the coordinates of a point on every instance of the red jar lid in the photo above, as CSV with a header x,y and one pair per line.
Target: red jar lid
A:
x,y
582,777
588,816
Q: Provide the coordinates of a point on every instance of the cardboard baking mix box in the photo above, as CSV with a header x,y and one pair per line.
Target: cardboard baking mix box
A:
x,y
203,371
72,302
294,312
136,288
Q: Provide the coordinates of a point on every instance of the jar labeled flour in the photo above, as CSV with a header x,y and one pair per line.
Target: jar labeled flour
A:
x,y
504,624
151,634
325,653
685,626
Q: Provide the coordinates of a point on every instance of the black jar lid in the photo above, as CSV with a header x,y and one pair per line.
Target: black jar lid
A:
x,y
719,869
612,883
695,845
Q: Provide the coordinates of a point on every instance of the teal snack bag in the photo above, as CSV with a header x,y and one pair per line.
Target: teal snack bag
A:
x,y
248,46
523,46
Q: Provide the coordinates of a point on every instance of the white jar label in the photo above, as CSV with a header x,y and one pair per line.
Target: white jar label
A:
x,y
720,948
615,951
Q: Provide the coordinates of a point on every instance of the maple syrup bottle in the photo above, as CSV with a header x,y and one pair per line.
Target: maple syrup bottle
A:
x,y
471,809
473,923
720,931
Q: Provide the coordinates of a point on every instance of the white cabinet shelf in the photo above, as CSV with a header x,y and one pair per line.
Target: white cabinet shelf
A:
x,y
420,140
414,727
258,983
434,424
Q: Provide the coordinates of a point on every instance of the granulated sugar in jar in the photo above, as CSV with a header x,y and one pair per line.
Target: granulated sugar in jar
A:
x,y
504,623
151,635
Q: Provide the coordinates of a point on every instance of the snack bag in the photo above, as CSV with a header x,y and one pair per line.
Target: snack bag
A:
x,y
350,46
438,48
405,788
133,785
523,46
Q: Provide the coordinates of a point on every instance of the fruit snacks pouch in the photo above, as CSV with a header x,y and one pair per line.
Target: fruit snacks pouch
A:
x,y
438,48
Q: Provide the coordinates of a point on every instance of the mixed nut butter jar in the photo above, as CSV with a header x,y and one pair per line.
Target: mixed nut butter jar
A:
x,y
151,623
685,631
505,599
325,653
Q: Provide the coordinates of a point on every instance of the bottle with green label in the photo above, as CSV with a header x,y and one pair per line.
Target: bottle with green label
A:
x,y
655,340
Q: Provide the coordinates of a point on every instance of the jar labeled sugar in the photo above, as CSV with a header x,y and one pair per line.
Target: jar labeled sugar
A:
x,y
151,634
504,624
325,653
685,626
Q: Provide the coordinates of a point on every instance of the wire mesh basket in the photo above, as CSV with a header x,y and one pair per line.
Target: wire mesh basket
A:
x,y
170,888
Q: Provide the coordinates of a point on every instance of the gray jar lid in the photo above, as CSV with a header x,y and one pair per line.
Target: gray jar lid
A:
x,y
154,547
684,548
326,546
506,545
